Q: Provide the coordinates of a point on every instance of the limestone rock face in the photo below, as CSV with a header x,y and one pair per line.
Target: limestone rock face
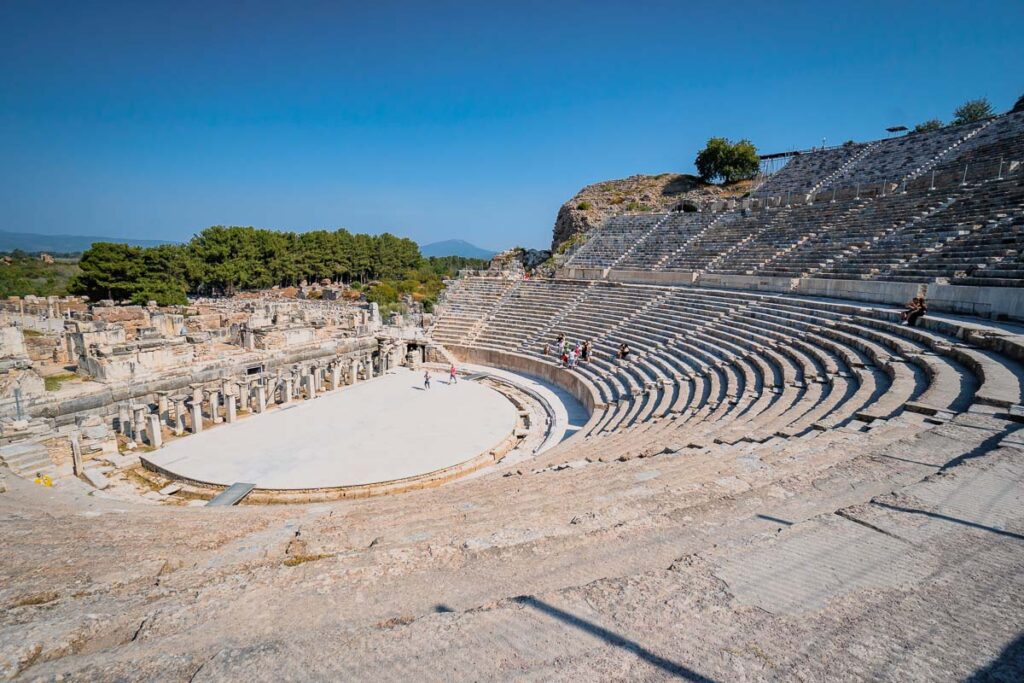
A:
x,y
594,203
532,258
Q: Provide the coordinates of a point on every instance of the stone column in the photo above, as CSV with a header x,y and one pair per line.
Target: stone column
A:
x,y
261,398
286,396
335,375
162,411
243,393
197,413
156,439
76,454
215,406
353,371
124,418
139,422
310,385
179,415
229,408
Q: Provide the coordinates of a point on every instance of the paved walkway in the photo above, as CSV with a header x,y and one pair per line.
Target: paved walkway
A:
x,y
385,429
569,415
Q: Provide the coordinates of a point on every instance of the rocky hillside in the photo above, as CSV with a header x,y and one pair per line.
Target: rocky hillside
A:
x,y
594,203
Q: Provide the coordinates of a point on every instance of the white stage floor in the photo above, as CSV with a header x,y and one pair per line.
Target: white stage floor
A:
x,y
385,429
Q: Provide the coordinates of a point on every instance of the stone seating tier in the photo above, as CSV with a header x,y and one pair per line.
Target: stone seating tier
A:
x,y
726,367
964,232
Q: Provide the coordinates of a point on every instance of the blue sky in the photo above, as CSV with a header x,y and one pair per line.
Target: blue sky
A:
x,y
444,119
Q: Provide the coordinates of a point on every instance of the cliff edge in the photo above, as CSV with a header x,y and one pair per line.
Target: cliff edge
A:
x,y
594,203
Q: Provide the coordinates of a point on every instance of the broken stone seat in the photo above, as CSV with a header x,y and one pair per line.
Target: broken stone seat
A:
x,y
26,459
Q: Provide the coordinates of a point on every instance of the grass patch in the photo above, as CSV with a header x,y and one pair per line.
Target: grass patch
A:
x,y
53,382
584,206
302,559
31,333
577,238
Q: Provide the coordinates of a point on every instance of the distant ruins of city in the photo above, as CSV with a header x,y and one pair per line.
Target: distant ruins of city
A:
x,y
126,377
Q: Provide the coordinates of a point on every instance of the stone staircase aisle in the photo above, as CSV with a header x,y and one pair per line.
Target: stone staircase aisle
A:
x,y
636,244
941,156
854,160
668,258
475,331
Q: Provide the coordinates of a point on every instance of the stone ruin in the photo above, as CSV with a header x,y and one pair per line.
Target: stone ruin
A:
x,y
130,377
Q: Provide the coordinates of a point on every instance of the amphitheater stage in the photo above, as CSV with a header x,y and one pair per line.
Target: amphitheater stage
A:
x,y
386,429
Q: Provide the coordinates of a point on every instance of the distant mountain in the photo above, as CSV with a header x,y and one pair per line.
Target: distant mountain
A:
x,y
455,248
62,244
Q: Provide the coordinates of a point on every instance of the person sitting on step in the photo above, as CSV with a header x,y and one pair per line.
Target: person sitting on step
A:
x,y
914,311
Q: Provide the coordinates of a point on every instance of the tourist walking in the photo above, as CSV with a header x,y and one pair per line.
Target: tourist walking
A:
x,y
623,351
453,377
426,379
586,351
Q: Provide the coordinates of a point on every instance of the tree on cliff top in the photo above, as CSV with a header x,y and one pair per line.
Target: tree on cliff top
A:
x,y
726,161
972,110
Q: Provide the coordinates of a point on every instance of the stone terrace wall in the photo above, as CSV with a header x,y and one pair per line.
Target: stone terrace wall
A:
x,y
581,389
995,302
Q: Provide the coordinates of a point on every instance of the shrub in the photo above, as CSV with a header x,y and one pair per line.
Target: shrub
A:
x,y
972,110
928,126
578,238
584,206
382,293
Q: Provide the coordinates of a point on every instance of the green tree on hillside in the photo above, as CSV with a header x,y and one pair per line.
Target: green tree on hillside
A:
x,y
722,160
1018,105
222,260
972,110
109,271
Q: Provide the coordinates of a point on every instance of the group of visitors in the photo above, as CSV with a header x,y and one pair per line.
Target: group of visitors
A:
x,y
453,377
570,353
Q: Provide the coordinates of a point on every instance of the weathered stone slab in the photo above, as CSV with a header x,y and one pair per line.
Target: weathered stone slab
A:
x,y
232,495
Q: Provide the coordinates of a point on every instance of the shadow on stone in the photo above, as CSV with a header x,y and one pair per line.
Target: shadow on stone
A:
x,y
613,638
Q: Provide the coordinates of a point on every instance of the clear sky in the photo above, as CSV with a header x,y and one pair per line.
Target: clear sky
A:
x,y
438,120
